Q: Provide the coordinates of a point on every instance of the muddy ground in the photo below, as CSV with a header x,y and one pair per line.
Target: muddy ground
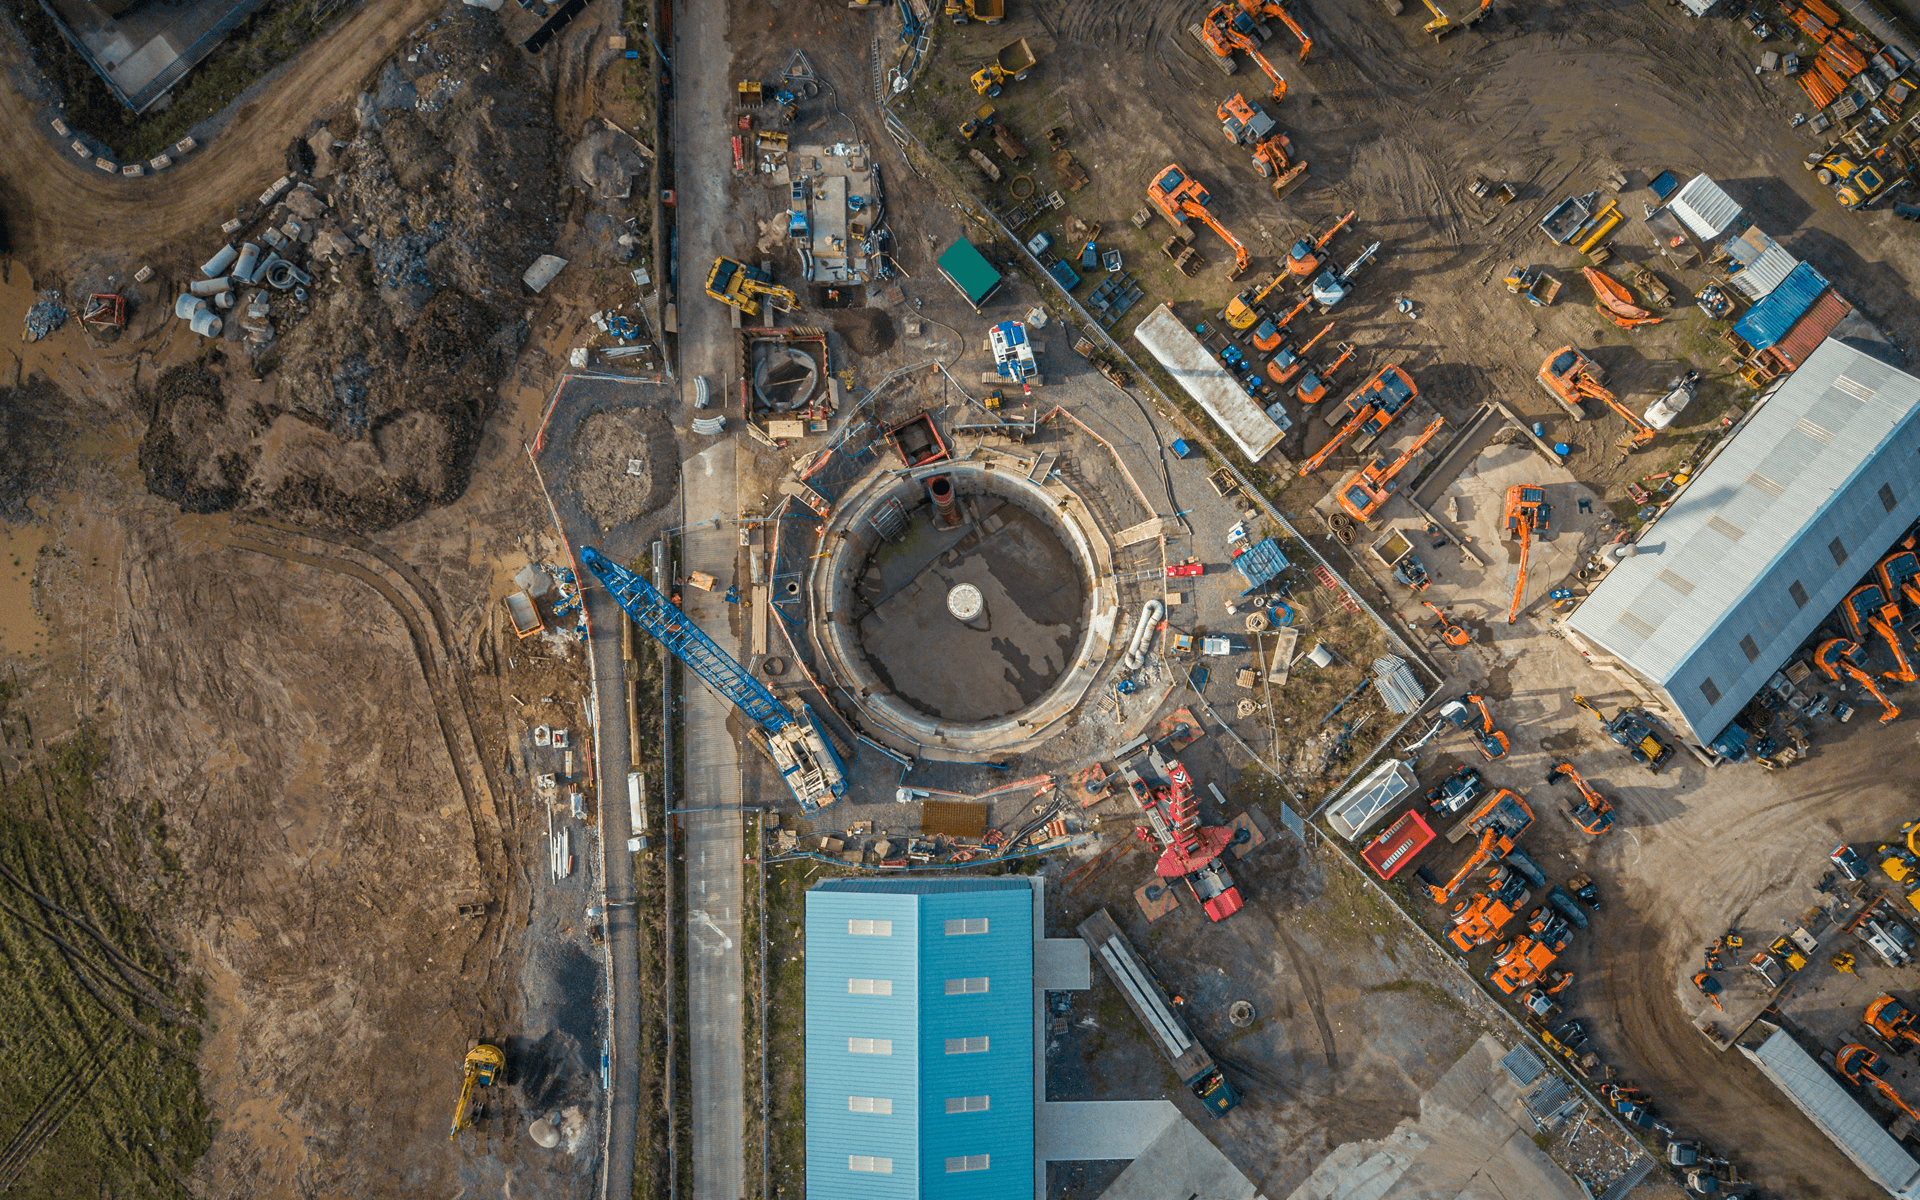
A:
x,y
336,730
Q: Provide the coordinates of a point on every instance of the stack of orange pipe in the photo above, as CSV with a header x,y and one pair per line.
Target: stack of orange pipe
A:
x,y
1819,92
1822,11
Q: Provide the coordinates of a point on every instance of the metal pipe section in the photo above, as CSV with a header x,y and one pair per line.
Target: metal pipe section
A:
x,y
940,488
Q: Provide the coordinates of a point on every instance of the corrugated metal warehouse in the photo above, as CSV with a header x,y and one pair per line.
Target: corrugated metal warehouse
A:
x,y
1766,539
1837,1114
920,1025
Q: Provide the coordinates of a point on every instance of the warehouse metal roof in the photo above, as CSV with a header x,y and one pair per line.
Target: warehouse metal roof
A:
x,y
920,1023
1195,368
1837,1114
1767,538
1704,208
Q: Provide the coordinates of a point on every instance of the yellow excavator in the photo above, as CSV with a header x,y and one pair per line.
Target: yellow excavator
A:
x,y
735,283
1243,310
482,1068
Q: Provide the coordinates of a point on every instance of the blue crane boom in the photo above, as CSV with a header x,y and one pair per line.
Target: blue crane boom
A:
x,y
798,745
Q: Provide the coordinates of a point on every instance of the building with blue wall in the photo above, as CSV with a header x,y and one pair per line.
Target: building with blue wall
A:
x,y
920,1039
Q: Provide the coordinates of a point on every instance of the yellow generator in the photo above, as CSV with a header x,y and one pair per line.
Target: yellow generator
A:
x,y
482,1068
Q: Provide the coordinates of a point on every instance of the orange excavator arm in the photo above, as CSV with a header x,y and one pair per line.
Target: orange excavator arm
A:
x,y
1905,672
1866,681
1520,584
1640,433
1270,8
1489,841
1337,440
1241,258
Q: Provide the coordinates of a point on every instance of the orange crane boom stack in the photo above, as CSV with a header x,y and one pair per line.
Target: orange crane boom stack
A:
x,y
1527,513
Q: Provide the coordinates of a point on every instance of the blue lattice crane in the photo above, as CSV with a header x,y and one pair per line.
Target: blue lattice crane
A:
x,y
791,736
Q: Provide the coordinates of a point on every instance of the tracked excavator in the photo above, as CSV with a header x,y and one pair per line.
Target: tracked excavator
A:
x,y
481,1069
1374,484
1527,513
1594,813
734,283
1837,655
1633,731
1893,1021
1479,920
1859,1064
1260,10
1181,200
1569,375
1307,254
1870,608
1286,365
1442,24
1222,32
1523,962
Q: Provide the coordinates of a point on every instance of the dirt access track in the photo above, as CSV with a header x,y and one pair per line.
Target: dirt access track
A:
x,y
59,207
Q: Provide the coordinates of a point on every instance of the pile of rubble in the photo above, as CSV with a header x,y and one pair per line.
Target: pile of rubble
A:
x,y
380,278
47,315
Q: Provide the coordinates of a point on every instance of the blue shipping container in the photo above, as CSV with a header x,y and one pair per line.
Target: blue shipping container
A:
x,y
1768,321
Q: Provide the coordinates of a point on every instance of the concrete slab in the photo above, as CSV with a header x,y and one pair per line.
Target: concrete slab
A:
x,y
1478,497
1471,1141
1100,1130
1062,965
1181,1162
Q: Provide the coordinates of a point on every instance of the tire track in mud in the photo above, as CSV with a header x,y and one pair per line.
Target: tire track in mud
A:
x,y
1316,1000
484,846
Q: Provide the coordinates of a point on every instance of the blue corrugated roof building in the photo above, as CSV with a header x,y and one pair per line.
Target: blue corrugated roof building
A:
x,y
920,1026
1768,321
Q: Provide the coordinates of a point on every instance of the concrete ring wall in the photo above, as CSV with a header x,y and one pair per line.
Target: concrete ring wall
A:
x,y
848,540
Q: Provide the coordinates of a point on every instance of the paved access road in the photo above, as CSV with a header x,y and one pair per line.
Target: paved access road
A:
x,y
711,833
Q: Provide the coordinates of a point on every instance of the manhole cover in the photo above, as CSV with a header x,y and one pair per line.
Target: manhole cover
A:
x,y
965,601
1240,1014
774,665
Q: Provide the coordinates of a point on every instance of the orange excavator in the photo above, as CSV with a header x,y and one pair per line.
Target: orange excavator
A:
x,y
1893,1021
1318,382
1868,609
1247,124
1222,34
1528,513
1838,654
1374,484
1569,375
1305,256
1900,574
1262,9
1594,813
1858,1064
1181,199
1494,843
1523,962
1267,335
1288,363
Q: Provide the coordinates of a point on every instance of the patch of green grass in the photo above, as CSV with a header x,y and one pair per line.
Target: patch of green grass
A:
x,y
1431,992
1542,1140
100,1020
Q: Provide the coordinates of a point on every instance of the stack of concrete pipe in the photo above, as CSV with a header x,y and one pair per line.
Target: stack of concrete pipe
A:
x,y
194,311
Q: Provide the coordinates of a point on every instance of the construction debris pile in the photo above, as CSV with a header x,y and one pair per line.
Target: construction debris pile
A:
x,y
45,316
415,226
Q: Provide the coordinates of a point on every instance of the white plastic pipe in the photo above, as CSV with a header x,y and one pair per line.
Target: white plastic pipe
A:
x,y
1136,656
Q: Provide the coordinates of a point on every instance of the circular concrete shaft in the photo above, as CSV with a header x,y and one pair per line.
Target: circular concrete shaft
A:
x,y
965,602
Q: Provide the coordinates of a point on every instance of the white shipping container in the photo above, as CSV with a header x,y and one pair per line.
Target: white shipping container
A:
x,y
636,801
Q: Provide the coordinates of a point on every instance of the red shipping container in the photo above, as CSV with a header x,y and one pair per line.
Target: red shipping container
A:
x,y
1810,330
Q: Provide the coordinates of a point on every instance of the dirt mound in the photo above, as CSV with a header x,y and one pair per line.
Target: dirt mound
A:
x,y
625,464
868,331
386,381
33,437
